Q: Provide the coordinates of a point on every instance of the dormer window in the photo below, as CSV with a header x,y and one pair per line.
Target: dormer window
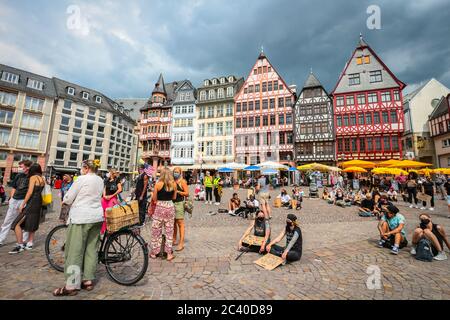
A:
x,y
206,83
222,80
70,91
34,84
98,99
85,95
231,79
214,82
10,77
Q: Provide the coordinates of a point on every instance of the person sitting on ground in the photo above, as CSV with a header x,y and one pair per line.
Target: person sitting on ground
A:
x,y
434,233
367,206
261,228
392,230
392,194
331,196
325,194
349,198
234,203
251,205
339,198
382,203
297,195
294,241
197,190
285,198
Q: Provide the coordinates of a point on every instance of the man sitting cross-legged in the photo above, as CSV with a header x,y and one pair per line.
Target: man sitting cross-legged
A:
x,y
367,206
392,230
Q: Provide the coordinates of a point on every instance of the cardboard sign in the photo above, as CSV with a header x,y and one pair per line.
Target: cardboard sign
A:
x,y
423,197
254,240
269,262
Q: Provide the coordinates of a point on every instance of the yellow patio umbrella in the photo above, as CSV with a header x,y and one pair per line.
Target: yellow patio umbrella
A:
x,y
334,169
410,164
397,172
313,166
381,170
388,163
425,171
442,170
358,163
355,169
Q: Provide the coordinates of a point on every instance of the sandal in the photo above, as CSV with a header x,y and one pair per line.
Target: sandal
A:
x,y
64,292
179,249
170,259
87,287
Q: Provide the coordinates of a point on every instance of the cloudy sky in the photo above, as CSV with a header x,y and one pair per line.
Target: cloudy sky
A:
x,y
120,47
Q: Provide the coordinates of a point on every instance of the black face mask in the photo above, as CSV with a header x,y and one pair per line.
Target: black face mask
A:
x,y
260,218
424,223
289,224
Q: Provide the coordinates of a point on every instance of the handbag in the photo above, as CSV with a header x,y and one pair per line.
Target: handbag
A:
x,y
46,195
189,206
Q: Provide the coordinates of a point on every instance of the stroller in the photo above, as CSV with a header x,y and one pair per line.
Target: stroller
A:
x,y
313,190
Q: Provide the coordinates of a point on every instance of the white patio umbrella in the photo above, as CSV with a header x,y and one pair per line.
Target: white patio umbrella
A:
x,y
273,165
235,165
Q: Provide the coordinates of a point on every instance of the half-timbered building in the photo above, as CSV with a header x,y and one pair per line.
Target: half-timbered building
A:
x,y
368,108
439,124
313,126
263,113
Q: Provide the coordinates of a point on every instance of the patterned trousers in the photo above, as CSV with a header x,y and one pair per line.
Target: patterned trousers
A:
x,y
164,217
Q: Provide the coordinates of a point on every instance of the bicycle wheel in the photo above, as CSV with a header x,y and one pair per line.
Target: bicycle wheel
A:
x,y
54,247
126,257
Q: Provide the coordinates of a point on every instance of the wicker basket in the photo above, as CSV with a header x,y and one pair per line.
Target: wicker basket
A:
x,y
119,216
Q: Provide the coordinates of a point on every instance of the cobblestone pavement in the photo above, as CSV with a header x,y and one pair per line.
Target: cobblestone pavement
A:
x,y
339,247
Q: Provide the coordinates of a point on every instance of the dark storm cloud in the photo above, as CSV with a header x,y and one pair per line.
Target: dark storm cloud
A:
x,y
125,46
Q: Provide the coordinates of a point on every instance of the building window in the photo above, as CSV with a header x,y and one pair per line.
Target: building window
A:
x,y
352,121
288,118
372,97
206,83
386,96
396,95
209,148
375,76
376,118
257,121
350,100
212,94
219,148
387,143
10,77
34,104
368,118
378,144
264,87
219,129
282,138
65,121
70,91
31,121
394,118
361,119
229,128
339,121
228,147
98,99
73,156
78,123
220,93
210,129
29,140
203,96
85,95
361,99
8,99
345,120
34,84
265,121
362,144
76,140
60,155
340,101
272,103
6,117
281,119
5,134
354,79
265,104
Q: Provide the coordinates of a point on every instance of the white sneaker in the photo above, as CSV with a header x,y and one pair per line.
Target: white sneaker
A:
x,y
413,251
411,206
217,203
416,206
29,247
441,256
423,208
431,209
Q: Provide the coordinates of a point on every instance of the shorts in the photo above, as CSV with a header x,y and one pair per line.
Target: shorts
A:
x,y
448,200
179,210
264,198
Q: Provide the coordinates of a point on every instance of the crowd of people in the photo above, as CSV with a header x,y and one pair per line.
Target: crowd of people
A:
x,y
164,196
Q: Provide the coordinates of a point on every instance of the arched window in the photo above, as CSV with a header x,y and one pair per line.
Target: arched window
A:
x,y
202,95
230,91
212,94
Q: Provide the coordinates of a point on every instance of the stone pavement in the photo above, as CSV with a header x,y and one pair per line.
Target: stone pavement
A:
x,y
339,255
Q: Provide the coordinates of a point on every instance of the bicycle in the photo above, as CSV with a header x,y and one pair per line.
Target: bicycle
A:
x,y
119,251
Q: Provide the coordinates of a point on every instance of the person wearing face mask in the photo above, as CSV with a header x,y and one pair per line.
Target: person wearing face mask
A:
x,y
339,198
261,228
433,232
218,185
182,194
392,230
429,189
208,184
18,193
140,193
294,241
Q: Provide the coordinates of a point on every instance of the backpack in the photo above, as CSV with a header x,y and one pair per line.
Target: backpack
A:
x,y
423,250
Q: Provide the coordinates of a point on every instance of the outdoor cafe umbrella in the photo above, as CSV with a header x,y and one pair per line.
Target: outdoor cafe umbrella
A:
x,y
235,166
273,165
292,169
355,169
314,166
442,170
252,168
225,170
386,163
358,163
269,172
410,164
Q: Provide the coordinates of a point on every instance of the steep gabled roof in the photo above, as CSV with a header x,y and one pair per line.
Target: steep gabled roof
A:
x,y
389,80
312,81
441,108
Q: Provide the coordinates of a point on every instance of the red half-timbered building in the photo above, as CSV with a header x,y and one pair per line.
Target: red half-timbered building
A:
x,y
368,108
263,117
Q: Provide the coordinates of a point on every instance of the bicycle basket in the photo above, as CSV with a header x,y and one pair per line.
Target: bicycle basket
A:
x,y
122,216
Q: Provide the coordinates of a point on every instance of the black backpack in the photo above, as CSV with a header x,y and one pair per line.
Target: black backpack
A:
x,y
424,251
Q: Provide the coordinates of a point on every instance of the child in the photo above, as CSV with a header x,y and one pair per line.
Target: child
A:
x,y
392,194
